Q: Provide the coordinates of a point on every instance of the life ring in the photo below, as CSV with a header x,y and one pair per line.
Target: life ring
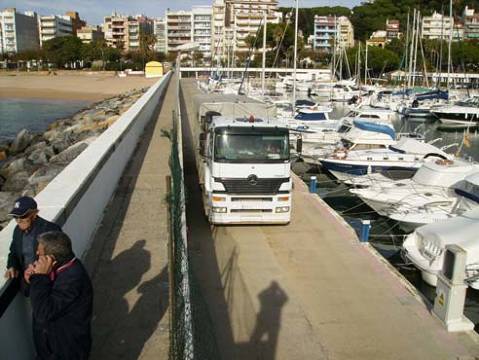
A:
x,y
444,162
340,154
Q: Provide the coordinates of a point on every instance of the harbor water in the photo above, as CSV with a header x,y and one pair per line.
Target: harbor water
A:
x,y
385,235
32,114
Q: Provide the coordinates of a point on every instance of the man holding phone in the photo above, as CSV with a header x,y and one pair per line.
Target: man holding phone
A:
x,y
62,300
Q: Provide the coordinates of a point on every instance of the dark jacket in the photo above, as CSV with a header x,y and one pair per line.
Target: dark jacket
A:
x,y
62,311
39,226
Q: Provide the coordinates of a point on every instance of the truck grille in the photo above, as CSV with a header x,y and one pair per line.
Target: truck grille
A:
x,y
247,186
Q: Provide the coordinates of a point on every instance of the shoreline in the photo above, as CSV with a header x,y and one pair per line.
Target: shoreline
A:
x,y
91,87
48,94
30,160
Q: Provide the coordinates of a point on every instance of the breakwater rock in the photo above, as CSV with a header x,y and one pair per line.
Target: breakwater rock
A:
x,y
30,161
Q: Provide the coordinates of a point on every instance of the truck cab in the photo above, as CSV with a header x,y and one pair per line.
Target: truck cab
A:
x,y
246,176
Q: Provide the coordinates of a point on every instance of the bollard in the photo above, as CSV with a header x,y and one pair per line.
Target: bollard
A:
x,y
364,233
313,183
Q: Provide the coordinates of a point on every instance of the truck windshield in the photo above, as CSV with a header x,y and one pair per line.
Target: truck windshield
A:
x,y
247,146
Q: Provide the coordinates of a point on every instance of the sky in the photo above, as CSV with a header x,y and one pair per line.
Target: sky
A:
x,y
93,11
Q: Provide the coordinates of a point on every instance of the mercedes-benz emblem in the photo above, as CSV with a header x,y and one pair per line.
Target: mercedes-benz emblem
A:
x,y
253,180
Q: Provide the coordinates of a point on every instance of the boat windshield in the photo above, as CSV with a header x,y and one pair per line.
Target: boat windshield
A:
x,y
344,128
246,145
468,189
471,102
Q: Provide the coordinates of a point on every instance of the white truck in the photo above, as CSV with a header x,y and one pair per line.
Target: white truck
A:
x,y
244,164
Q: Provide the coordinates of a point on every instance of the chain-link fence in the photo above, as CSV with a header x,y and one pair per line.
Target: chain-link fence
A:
x,y
191,328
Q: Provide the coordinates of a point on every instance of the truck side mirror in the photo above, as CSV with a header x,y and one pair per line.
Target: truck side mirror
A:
x,y
299,145
202,148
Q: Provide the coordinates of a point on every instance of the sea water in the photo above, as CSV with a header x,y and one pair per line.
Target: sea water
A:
x,y
32,114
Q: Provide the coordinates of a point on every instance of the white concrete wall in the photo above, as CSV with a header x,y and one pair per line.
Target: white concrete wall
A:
x,y
76,198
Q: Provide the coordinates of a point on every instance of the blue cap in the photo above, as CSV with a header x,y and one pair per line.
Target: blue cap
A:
x,y
23,205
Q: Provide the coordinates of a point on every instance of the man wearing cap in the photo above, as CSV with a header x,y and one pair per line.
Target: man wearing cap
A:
x,y
24,244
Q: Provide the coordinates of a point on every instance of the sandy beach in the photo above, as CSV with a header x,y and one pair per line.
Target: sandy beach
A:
x,y
89,86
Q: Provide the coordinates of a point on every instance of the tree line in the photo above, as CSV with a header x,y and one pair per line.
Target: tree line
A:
x,y
70,52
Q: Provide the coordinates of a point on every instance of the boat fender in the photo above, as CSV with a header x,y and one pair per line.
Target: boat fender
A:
x,y
444,162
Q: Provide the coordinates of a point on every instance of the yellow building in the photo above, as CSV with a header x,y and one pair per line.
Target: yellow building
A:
x,y
153,69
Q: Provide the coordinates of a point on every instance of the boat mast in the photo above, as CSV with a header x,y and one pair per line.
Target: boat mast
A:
x,y
358,67
264,54
449,59
366,65
295,55
411,53
416,41
406,62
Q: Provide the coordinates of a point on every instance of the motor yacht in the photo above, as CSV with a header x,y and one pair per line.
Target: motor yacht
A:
x,y
460,198
460,115
429,184
400,160
425,247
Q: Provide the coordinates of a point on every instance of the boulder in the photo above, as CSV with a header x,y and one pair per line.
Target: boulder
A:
x,y
16,165
42,177
21,142
41,156
3,155
7,199
17,182
39,145
67,155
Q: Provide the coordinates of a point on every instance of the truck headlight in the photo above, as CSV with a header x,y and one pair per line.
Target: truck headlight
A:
x,y
218,209
282,209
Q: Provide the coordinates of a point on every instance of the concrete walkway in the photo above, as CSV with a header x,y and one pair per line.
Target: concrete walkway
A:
x,y
308,290
128,261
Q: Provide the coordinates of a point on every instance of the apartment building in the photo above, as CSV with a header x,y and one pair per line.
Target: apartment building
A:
x,y
123,32
202,30
471,24
159,30
324,32
219,43
438,26
53,26
77,23
179,29
393,29
246,16
346,32
89,34
328,29
18,32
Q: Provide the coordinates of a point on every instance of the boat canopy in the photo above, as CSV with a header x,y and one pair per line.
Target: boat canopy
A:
x,y
436,94
461,230
311,115
407,145
304,102
375,127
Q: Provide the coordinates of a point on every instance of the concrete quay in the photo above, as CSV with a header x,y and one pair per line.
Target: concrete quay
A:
x,y
309,290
